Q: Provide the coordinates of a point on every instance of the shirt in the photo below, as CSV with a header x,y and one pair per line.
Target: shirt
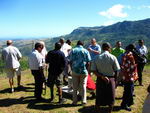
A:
x,y
117,51
36,60
65,49
105,64
142,50
96,47
56,61
11,56
79,58
129,67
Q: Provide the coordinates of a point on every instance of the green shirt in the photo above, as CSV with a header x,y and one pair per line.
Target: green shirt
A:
x,y
117,51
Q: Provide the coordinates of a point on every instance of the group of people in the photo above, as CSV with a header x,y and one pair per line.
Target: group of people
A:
x,y
112,66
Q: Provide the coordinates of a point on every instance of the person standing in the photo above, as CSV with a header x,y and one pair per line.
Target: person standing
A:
x,y
142,49
105,66
79,58
65,48
94,48
36,63
11,56
129,70
57,62
117,51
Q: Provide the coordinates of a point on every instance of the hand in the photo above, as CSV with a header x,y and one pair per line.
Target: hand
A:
x,y
106,79
89,49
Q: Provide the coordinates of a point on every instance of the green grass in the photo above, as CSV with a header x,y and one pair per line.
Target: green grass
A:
x,y
23,101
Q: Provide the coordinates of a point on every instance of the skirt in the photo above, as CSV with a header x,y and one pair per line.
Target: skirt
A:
x,y
105,92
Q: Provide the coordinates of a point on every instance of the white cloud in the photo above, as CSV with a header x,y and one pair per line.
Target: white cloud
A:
x,y
115,11
143,7
146,6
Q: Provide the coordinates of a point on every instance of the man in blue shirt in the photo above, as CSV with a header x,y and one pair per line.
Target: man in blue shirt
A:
x,y
80,59
94,48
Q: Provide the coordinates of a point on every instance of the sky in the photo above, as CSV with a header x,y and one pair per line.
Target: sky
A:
x,y
50,18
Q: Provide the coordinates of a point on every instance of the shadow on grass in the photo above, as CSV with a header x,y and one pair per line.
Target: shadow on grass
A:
x,y
32,103
91,109
26,89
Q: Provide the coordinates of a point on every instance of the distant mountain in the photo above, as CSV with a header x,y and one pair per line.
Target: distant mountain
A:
x,y
127,32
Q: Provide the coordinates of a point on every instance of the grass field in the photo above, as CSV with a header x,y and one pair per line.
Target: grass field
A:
x,y
22,101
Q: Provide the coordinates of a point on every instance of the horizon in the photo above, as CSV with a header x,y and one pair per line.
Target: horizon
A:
x,y
50,19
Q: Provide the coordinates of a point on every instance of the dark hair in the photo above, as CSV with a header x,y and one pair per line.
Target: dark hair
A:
x,y
141,41
37,45
106,46
61,40
68,41
57,46
130,47
80,43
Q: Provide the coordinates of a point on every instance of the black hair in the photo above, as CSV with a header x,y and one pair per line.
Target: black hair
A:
x,y
130,47
37,45
80,43
106,46
57,46
68,41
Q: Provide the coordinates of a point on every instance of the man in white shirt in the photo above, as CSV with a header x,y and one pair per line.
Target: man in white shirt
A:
x,y
142,49
36,62
65,48
11,56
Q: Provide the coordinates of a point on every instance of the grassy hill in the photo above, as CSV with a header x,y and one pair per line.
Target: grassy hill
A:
x,y
127,32
22,101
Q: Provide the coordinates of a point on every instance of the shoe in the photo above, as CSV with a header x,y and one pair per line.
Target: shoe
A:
x,y
126,108
11,90
62,101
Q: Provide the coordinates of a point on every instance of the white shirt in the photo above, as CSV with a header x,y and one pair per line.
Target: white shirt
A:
x,y
142,49
65,49
44,52
11,56
36,60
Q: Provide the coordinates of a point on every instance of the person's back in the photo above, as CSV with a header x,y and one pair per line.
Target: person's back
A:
x,y
79,59
56,60
11,56
105,60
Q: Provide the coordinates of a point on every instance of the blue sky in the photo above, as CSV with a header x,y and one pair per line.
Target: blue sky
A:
x,y
49,18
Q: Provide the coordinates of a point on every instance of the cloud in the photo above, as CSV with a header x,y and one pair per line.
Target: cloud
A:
x,y
146,6
143,7
115,11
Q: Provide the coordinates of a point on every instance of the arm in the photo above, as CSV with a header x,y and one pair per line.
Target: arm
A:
x,y
106,79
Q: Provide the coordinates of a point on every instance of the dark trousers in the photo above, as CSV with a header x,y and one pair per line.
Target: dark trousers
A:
x,y
140,68
39,79
128,94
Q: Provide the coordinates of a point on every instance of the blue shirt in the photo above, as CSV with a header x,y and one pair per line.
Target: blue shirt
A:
x,y
96,48
79,58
